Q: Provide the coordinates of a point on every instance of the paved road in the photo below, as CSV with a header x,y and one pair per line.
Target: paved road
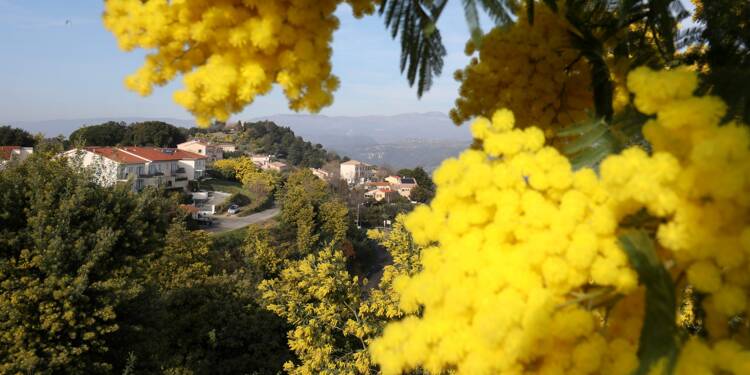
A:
x,y
225,223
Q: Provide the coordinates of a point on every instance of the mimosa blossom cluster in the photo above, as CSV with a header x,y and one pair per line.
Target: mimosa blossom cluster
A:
x,y
532,70
231,51
520,247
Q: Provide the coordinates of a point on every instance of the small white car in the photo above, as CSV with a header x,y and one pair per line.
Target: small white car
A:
x,y
233,209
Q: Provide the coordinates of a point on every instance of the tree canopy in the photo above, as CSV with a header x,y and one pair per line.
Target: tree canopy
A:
x,y
107,134
71,251
104,280
265,137
10,136
599,223
149,133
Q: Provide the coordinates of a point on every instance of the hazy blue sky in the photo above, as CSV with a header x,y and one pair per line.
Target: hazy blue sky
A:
x,y
54,70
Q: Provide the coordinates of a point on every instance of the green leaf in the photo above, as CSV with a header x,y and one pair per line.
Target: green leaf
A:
x,y
659,335
501,11
591,157
472,19
588,139
579,129
587,143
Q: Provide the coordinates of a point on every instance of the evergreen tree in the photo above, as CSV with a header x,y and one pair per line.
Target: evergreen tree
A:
x,y
107,134
71,252
10,136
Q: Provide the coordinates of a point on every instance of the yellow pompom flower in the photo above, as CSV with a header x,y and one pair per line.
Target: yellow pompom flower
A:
x,y
531,70
231,51
515,239
521,248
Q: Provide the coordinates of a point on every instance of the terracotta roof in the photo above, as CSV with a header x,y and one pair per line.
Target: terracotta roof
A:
x,y
6,151
117,155
379,183
162,154
199,141
352,162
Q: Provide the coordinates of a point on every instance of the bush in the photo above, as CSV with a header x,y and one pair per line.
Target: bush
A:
x,y
235,154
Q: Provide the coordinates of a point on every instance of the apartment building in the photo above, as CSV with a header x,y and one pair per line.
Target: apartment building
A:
x,y
145,166
211,151
355,172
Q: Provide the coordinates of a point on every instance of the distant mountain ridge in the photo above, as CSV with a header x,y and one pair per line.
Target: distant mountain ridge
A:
x,y
400,141
372,129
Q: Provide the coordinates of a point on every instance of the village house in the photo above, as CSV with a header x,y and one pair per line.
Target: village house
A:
x,y
210,151
261,161
277,166
355,172
144,166
380,194
375,185
321,174
404,186
227,147
396,184
8,153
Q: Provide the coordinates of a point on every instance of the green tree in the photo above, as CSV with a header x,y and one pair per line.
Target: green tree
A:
x,y
334,217
265,137
333,314
421,195
308,210
10,136
50,146
318,296
420,175
154,133
106,134
70,254
199,318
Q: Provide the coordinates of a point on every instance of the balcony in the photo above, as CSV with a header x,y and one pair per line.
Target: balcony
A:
x,y
150,175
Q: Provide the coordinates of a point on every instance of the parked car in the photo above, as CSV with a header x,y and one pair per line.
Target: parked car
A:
x,y
233,209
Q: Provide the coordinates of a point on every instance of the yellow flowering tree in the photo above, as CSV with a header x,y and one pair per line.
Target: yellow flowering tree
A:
x,y
333,318
531,69
534,267
564,255
231,51
242,169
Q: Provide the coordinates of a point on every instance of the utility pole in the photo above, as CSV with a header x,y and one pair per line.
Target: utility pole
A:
x,y
358,204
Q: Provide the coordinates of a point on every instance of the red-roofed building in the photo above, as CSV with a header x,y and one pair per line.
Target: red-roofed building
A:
x,y
381,193
201,147
374,185
8,153
145,166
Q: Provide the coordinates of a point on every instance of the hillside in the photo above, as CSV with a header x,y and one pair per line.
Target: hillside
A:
x,y
401,141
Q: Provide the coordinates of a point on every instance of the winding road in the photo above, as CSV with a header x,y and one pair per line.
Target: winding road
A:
x,y
225,223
